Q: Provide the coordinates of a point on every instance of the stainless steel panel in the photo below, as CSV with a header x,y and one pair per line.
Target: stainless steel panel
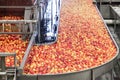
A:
x,y
105,11
116,10
85,75
27,77
103,69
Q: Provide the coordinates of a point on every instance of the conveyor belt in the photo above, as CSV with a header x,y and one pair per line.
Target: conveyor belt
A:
x,y
80,25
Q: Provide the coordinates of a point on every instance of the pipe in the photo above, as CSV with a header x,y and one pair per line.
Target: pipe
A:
x,y
18,21
16,6
28,50
112,21
15,33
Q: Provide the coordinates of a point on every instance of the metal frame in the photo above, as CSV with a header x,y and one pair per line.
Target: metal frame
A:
x,y
116,11
30,19
28,22
7,71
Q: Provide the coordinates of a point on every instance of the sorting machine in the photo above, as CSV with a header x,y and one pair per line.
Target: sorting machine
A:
x,y
41,21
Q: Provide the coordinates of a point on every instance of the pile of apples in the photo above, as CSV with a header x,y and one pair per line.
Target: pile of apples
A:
x,y
12,43
83,42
